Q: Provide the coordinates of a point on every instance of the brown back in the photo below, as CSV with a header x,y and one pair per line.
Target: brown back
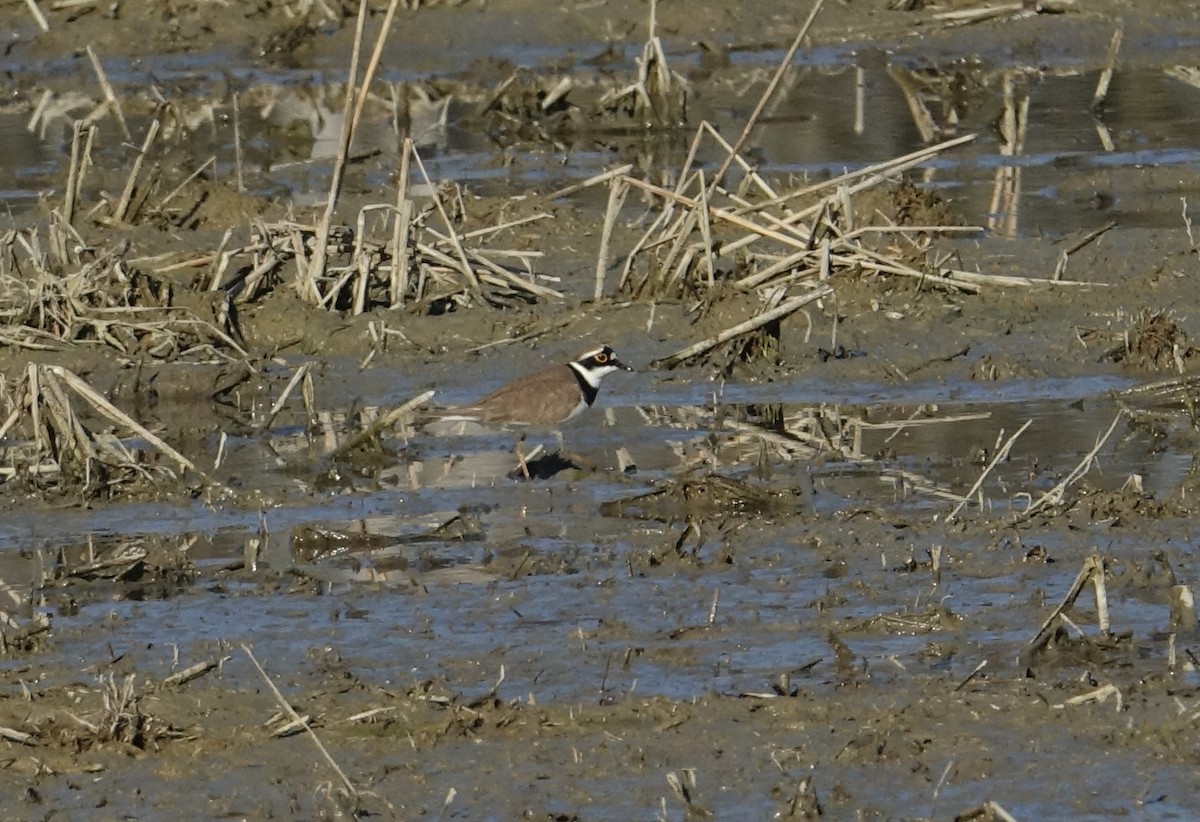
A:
x,y
544,398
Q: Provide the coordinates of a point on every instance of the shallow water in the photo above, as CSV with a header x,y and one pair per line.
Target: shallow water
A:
x,y
553,631
836,110
938,431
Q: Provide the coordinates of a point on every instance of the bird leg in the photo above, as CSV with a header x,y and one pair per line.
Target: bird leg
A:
x,y
576,460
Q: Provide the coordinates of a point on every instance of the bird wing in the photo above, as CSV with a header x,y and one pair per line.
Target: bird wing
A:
x,y
545,397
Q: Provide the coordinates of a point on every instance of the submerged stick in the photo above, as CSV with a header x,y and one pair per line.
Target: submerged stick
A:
x,y
753,323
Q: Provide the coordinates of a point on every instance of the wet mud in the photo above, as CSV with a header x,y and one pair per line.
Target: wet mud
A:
x,y
920,547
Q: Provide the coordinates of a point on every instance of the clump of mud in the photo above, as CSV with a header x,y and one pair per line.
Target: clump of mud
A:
x,y
1155,342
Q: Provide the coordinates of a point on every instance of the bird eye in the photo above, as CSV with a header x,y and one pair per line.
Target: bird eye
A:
x,y
601,358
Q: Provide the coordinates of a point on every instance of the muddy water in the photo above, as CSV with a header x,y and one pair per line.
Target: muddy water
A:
x,y
837,110
548,601
753,605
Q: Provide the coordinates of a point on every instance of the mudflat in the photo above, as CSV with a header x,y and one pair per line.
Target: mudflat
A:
x,y
895,519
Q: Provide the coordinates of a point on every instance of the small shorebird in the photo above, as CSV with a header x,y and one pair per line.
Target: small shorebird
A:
x,y
544,399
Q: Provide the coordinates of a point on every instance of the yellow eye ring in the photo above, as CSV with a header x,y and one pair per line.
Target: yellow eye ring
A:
x,y
601,358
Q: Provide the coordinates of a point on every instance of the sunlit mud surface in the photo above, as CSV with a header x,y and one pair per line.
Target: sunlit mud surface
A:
x,y
929,555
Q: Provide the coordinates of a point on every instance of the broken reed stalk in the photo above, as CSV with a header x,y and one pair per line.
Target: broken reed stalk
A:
x,y
753,323
85,159
1001,454
401,229
74,173
122,209
291,712
107,88
211,161
746,168
706,234
300,374
869,176
352,112
360,259
616,198
386,421
1091,571
308,285
1061,268
721,214
1110,66
115,414
590,181
784,64
1055,495
195,671
38,17
238,164
373,63
465,265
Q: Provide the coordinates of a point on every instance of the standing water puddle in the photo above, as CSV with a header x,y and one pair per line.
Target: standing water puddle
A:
x,y
1052,171
555,559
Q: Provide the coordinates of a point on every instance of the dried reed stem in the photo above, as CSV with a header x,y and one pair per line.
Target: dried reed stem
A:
x,y
316,267
116,415
401,228
238,163
465,265
109,94
1061,268
751,324
373,63
706,234
74,173
784,64
123,204
1091,571
1110,66
616,198
1055,494
38,17
300,374
211,161
386,421
1001,454
290,711
589,182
